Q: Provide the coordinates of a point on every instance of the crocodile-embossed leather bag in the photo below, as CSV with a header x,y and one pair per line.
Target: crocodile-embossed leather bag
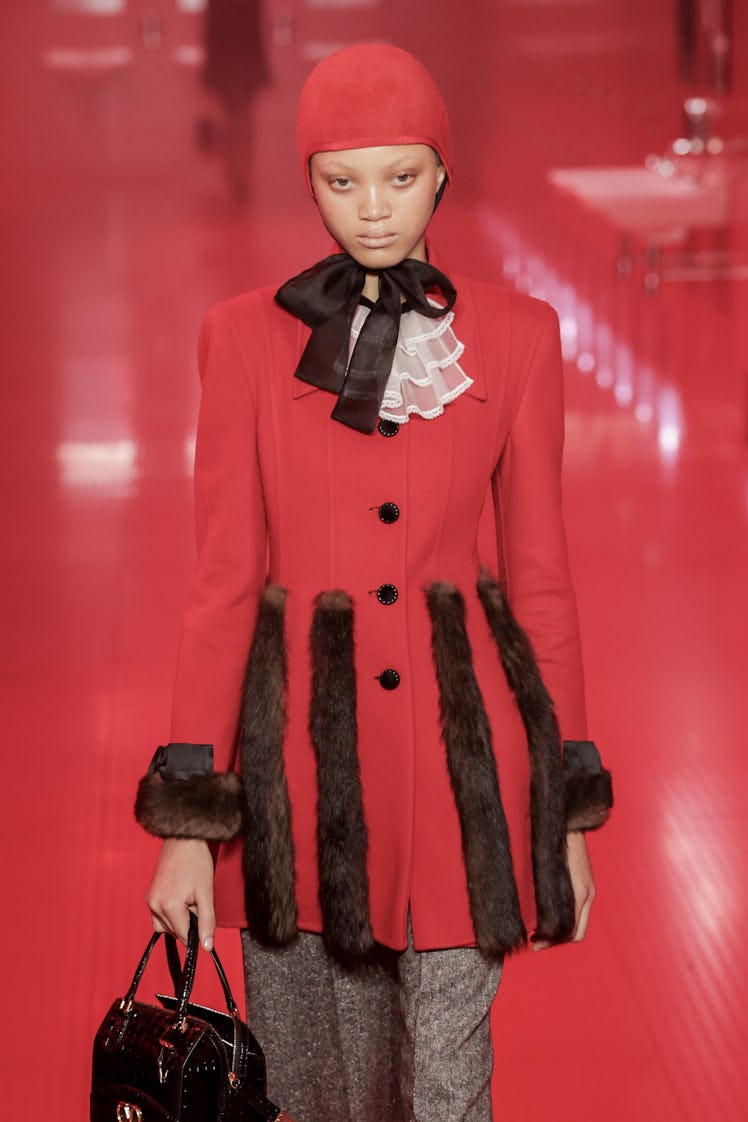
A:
x,y
180,1062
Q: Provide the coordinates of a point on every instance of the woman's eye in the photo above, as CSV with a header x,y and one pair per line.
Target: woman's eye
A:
x,y
340,181
404,177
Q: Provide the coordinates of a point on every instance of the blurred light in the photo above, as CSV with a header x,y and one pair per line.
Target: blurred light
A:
x,y
106,463
670,422
189,454
189,54
314,50
695,105
681,146
91,7
624,373
511,265
668,437
568,325
714,145
666,168
192,5
590,339
704,885
80,58
569,331
343,3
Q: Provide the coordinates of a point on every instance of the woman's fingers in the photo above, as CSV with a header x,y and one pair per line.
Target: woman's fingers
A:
x,y
183,882
171,917
582,881
583,917
583,886
206,921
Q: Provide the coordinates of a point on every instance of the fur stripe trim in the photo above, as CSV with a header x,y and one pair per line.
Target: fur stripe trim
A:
x,y
269,867
554,897
589,798
206,806
342,837
494,902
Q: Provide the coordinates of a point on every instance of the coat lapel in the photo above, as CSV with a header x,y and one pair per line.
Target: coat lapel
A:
x,y
299,388
465,329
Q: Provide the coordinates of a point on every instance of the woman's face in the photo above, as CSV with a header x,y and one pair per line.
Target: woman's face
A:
x,y
377,202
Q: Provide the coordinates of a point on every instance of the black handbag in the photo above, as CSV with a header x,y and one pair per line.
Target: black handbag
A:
x,y
179,1062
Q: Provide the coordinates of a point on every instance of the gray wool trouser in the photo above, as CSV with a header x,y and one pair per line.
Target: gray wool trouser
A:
x,y
404,1037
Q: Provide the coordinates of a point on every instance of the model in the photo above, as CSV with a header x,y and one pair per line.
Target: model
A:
x,y
384,731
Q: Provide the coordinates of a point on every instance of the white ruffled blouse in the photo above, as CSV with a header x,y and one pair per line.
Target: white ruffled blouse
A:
x,y
426,373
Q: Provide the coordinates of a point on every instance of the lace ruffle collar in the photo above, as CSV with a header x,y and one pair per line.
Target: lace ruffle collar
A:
x,y
426,374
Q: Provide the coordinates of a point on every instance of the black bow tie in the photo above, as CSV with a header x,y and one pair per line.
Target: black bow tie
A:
x,y
325,297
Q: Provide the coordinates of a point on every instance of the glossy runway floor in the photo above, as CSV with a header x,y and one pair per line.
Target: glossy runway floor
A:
x,y
118,232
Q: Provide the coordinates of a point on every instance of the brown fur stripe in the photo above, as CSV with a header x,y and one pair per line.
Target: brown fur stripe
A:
x,y
342,837
554,897
268,846
589,797
494,902
207,806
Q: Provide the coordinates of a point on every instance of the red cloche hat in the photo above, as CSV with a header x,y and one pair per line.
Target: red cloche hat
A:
x,y
367,96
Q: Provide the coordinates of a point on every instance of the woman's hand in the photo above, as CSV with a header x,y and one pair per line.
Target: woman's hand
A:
x,y
183,883
583,884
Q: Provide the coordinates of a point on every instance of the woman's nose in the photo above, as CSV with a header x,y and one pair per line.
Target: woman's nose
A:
x,y
374,205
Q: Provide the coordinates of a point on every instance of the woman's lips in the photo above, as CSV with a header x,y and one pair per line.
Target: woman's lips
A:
x,y
375,241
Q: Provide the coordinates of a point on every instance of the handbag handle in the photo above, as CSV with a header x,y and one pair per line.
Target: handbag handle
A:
x,y
182,977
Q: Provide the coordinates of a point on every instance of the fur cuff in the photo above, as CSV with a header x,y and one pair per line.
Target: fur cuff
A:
x,y
207,806
589,798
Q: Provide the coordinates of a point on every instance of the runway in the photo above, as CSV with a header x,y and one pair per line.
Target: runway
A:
x,y
119,230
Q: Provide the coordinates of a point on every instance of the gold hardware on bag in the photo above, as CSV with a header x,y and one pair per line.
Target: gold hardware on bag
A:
x,y
126,1112
234,1079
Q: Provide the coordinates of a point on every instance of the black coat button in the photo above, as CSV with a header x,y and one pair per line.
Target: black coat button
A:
x,y
389,679
389,512
388,428
386,594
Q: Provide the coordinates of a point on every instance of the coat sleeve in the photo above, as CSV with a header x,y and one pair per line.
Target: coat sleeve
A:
x,y
532,545
190,789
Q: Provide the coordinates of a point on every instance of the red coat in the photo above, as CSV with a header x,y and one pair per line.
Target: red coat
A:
x,y
285,494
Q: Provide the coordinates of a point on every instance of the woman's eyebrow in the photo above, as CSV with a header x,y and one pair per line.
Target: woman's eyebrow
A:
x,y
411,158
336,166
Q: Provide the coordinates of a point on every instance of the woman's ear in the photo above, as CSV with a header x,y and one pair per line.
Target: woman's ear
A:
x,y
441,181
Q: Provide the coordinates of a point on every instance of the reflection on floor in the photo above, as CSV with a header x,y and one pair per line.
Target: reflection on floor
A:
x,y
108,268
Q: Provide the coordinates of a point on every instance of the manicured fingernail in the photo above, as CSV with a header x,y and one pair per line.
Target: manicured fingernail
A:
x,y
208,944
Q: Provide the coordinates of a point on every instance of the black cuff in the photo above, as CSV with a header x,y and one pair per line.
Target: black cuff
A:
x,y
180,797
182,761
588,786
